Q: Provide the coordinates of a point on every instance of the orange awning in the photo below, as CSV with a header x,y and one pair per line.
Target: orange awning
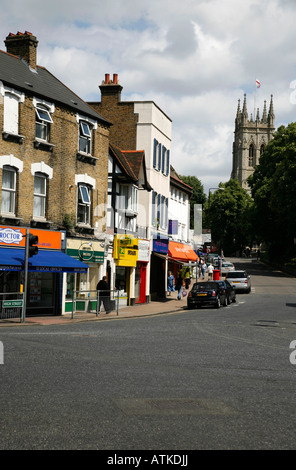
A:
x,y
182,252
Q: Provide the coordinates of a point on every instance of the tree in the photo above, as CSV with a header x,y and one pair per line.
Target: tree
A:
x,y
198,196
274,191
228,214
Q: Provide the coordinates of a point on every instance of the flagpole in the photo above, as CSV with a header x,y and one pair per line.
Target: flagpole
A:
x,y
255,99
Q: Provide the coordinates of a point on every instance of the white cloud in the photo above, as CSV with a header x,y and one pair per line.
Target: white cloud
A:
x,y
194,58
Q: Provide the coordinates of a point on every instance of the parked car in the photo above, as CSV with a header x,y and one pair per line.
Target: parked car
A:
x,y
227,288
240,280
205,293
226,267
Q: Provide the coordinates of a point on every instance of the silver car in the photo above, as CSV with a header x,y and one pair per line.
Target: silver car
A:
x,y
226,267
240,280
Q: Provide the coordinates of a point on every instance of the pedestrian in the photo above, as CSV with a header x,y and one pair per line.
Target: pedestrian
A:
x,y
210,271
187,278
171,279
179,286
203,269
104,294
199,267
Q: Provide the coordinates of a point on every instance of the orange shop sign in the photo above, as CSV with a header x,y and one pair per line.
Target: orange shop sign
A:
x,y
16,237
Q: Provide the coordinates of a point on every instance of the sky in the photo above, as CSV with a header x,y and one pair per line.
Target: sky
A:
x,y
195,59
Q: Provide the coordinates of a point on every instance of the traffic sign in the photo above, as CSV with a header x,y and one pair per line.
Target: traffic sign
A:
x,y
12,303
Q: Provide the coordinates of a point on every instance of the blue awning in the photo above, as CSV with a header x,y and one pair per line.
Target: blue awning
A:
x,y
12,259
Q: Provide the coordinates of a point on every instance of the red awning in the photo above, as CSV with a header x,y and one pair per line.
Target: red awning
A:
x,y
182,252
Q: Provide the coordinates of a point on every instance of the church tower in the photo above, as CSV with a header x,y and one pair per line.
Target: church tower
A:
x,y
250,139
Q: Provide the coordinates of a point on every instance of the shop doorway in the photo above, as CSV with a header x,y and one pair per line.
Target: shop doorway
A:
x,y
140,283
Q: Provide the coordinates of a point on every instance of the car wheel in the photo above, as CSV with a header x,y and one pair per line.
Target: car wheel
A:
x,y
225,301
234,299
218,303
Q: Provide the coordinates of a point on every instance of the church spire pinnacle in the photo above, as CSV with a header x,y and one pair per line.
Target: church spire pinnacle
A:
x,y
264,115
271,112
245,112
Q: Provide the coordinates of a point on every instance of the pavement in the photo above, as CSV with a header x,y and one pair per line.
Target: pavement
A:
x,y
168,305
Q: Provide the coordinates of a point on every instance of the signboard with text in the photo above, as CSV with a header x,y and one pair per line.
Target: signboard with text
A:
x,y
16,237
125,250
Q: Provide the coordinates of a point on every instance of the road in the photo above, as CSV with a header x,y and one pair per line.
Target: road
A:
x,y
199,379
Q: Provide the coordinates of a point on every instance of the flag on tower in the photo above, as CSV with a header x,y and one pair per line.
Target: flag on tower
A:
x,y
258,84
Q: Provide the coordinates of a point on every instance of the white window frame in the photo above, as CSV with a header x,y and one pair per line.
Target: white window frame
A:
x,y
42,123
40,197
83,204
11,121
10,191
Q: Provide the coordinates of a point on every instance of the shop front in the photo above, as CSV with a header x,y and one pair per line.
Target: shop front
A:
x,y
91,253
180,255
45,269
158,270
125,254
141,295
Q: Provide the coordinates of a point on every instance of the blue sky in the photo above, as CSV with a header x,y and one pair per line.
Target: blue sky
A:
x,y
194,58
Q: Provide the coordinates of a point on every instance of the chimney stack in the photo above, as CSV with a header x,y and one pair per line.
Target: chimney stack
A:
x,y
111,88
23,45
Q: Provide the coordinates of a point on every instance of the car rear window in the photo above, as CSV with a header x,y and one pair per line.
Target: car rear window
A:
x,y
236,274
205,285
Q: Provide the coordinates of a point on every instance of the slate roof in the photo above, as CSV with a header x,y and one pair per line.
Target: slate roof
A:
x,y
131,162
15,73
177,181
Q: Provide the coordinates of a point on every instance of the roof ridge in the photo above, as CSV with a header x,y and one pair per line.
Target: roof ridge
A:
x,y
12,55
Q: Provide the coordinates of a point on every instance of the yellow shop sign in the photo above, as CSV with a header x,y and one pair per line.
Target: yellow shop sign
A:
x,y
125,250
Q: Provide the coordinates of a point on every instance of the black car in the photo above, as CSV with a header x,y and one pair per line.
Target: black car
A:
x,y
227,289
206,293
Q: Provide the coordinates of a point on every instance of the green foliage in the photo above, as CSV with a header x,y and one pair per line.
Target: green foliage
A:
x,y
228,214
273,185
198,196
69,221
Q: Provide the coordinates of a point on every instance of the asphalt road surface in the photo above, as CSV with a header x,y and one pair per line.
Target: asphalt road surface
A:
x,y
199,379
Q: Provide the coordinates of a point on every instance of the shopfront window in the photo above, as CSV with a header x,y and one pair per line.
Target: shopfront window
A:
x,y
120,280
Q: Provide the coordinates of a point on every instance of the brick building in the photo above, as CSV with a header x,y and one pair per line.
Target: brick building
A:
x,y
53,167
142,125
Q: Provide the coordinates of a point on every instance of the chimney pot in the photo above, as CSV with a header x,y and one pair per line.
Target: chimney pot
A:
x,y
115,78
107,78
23,45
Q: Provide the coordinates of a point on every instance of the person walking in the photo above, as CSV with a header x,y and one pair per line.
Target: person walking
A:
x,y
171,279
187,278
210,271
104,294
179,285
203,268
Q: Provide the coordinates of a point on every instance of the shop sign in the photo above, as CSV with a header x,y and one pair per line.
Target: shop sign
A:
x,y
143,250
161,245
12,237
125,250
86,255
85,251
